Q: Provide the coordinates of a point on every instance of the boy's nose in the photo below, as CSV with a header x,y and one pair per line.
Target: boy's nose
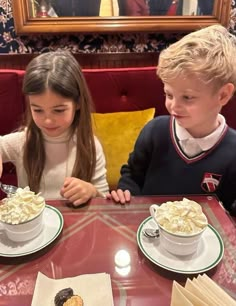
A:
x,y
174,104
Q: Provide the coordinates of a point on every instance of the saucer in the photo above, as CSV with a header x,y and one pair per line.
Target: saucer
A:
x,y
53,224
209,253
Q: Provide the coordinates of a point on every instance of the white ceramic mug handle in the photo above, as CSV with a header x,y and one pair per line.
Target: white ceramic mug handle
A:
x,y
153,208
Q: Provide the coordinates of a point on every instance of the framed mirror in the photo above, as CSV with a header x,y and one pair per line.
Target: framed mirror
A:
x,y
109,16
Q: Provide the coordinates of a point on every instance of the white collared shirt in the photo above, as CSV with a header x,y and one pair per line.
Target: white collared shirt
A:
x,y
193,146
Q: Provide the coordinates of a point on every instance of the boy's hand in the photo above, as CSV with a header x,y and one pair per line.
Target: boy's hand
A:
x,y
77,191
119,196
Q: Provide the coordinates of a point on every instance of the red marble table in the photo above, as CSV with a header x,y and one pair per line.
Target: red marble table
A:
x,y
92,236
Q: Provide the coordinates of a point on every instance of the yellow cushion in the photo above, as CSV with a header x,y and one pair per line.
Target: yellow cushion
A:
x,y
117,133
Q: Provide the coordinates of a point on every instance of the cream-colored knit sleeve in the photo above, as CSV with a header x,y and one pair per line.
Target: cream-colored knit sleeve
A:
x,y
99,179
11,146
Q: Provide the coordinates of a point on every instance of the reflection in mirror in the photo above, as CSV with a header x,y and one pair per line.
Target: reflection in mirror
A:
x,y
68,8
165,7
109,8
181,7
104,16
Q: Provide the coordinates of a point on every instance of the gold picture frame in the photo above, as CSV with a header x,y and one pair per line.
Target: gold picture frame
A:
x,y
25,24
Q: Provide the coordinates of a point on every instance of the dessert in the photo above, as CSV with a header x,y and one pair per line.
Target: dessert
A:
x,y
62,296
181,217
66,297
22,206
75,300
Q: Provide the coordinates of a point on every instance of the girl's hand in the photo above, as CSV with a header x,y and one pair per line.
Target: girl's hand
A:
x,y
119,196
77,191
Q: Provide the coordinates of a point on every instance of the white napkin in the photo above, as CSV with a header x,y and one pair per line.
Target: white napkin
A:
x,y
94,289
198,292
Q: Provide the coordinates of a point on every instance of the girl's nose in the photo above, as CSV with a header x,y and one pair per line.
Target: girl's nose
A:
x,y
48,120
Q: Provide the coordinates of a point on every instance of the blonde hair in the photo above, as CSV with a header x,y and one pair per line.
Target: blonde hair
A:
x,y
60,72
208,54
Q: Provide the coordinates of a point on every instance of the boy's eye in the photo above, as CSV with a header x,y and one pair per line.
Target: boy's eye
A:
x,y
188,97
169,96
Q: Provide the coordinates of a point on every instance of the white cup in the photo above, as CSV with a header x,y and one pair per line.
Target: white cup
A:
x,y
23,231
177,244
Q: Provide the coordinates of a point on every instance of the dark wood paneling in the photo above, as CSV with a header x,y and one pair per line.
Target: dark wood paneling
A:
x,y
92,60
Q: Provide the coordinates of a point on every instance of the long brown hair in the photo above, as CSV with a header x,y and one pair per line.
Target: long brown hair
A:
x,y
60,72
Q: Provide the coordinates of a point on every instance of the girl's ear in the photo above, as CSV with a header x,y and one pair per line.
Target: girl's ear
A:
x,y
225,93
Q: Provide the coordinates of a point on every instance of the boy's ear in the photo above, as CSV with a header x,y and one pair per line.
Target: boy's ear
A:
x,y
225,94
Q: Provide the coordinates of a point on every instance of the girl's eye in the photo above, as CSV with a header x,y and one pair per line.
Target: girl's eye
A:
x,y
59,110
37,110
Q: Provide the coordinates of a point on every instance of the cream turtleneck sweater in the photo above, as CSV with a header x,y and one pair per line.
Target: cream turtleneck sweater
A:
x,y
60,157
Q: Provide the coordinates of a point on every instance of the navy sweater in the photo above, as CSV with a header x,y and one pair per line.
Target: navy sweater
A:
x,y
158,166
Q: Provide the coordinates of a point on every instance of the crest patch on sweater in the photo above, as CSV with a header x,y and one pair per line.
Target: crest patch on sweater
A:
x,y
210,182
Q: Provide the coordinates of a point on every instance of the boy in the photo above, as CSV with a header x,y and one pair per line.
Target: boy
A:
x,y
192,151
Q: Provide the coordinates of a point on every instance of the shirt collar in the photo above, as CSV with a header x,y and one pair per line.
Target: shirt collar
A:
x,y
207,142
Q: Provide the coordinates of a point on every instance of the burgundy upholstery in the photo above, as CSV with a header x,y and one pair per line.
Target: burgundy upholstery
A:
x,y
11,110
125,89
112,89
11,100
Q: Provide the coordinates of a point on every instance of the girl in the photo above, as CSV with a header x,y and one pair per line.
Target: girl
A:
x,y
56,152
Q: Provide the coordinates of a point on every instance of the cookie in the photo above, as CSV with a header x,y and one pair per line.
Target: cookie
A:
x,y
75,300
62,296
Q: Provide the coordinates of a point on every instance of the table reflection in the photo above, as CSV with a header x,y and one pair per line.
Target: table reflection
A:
x,y
106,8
122,262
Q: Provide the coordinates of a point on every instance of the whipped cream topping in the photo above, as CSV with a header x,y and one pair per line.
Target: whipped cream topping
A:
x,y
181,217
22,206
